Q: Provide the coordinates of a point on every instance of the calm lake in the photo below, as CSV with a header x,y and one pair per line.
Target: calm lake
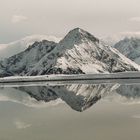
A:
x,y
79,111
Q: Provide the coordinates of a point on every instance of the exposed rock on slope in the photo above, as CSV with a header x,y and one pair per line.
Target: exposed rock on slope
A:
x,y
78,53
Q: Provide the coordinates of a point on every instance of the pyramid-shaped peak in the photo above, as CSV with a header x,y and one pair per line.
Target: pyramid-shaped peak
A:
x,y
78,31
78,34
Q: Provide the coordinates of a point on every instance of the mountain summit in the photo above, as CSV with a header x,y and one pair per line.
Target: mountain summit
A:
x,y
79,52
77,35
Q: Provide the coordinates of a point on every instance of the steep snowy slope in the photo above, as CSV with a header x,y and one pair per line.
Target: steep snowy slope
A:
x,y
26,60
79,52
7,50
130,47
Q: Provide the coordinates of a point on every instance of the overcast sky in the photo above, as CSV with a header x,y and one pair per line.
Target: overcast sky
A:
x,y
19,18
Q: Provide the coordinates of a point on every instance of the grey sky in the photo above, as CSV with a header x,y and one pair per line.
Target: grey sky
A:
x,y
19,18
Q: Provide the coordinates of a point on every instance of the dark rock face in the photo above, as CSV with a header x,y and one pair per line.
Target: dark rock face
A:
x,y
59,71
5,74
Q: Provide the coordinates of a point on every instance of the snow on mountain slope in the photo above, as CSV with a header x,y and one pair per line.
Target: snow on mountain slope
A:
x,y
81,52
130,47
78,53
26,60
7,50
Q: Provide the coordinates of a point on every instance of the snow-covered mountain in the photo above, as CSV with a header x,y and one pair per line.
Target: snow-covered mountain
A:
x,y
130,47
8,50
26,60
78,53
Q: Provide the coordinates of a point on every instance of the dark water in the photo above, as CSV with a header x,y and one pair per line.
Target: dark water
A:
x,y
70,112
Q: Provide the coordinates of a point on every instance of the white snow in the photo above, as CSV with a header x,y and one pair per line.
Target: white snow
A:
x,y
79,50
7,50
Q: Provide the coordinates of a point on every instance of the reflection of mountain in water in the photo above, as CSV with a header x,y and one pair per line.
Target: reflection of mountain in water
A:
x,y
79,97
129,91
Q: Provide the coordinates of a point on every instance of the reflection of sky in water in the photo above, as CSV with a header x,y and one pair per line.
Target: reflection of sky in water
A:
x,y
108,112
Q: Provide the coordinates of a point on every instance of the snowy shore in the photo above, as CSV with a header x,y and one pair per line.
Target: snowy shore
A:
x,y
80,77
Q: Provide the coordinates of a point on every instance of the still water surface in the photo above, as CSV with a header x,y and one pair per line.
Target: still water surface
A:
x,y
70,112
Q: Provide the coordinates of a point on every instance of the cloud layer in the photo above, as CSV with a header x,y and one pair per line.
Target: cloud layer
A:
x,y
19,18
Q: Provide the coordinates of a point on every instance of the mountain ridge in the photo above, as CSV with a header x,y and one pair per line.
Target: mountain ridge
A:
x,y
130,47
10,49
79,52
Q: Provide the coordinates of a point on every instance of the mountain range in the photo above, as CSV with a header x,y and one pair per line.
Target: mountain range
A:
x,y
10,49
79,52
